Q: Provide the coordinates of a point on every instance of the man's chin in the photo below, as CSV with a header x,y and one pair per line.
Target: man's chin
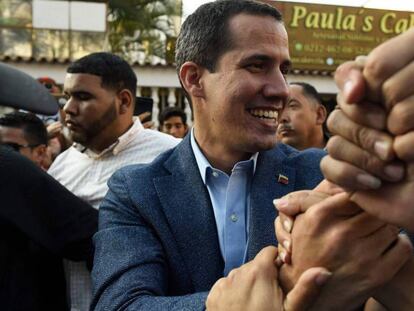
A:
x,y
77,137
291,142
264,145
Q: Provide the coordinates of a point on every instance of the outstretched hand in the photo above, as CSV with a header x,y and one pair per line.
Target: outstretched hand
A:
x,y
255,286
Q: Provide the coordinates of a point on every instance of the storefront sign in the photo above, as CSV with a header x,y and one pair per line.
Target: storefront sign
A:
x,y
323,36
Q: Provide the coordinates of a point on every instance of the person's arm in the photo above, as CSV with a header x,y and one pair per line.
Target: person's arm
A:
x,y
363,253
398,293
44,210
394,295
130,267
254,286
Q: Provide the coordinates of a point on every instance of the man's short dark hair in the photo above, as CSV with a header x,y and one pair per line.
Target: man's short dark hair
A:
x,y
114,71
204,35
33,128
172,112
308,90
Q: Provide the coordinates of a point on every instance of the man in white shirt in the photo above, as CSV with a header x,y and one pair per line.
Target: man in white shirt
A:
x,y
101,91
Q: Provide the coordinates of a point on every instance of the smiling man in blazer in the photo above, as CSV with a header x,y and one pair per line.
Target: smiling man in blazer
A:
x,y
174,227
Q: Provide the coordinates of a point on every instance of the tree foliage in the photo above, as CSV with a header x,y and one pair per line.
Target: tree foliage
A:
x,y
140,29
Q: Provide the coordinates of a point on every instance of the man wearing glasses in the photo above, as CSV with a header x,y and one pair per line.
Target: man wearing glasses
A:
x,y
26,134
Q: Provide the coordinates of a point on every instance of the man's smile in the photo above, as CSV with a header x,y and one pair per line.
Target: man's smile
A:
x,y
264,113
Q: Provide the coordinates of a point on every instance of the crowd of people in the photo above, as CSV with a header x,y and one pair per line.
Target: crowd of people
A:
x,y
255,207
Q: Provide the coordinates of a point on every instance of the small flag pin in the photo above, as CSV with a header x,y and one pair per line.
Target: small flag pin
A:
x,y
283,179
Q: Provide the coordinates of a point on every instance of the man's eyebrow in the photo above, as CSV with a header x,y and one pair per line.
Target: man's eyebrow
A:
x,y
256,57
265,58
76,91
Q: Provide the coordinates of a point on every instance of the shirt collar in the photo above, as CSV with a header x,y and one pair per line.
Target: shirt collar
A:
x,y
117,146
202,161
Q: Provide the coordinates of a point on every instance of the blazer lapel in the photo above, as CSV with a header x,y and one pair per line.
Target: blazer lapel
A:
x,y
272,179
187,206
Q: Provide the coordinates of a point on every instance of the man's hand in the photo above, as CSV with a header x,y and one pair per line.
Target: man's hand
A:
x,y
54,129
389,70
393,203
374,125
373,146
362,252
293,204
147,124
254,286
359,157
398,293
361,153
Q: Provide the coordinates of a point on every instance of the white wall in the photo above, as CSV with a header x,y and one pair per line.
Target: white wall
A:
x,y
147,76
161,76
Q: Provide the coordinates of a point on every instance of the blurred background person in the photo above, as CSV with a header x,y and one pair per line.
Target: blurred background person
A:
x,y
50,84
100,90
41,222
26,134
301,122
58,133
173,121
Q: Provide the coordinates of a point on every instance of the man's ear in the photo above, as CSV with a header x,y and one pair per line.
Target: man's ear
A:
x,y
190,76
321,114
126,99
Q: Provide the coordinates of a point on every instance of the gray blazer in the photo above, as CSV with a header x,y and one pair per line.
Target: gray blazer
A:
x,y
157,247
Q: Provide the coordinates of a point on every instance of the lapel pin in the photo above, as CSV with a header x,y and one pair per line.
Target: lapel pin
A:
x,y
283,179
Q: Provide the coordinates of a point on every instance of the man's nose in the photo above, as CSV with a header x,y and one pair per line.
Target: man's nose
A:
x,y
276,87
283,116
71,107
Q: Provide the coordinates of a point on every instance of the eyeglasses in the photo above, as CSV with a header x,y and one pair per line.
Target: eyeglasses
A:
x,y
16,146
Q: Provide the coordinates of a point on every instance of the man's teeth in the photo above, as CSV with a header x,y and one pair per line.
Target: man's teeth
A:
x,y
269,114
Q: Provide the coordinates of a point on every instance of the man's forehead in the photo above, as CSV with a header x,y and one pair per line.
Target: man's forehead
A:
x,y
298,94
295,89
263,36
173,119
257,28
77,80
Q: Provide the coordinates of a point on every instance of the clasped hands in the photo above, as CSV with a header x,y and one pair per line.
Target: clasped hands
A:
x,y
371,158
372,154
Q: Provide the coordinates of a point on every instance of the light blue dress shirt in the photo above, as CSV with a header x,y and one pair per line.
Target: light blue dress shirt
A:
x,y
230,197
